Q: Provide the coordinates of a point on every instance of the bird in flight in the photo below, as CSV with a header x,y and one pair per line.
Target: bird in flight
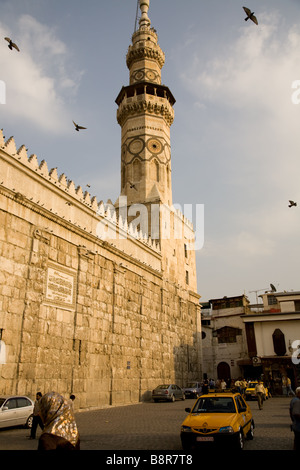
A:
x,y
77,127
250,15
12,44
292,203
132,186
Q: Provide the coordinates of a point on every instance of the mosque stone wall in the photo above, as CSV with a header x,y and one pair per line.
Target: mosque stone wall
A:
x,y
79,313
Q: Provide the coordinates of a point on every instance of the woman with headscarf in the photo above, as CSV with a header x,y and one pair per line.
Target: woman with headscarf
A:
x,y
60,430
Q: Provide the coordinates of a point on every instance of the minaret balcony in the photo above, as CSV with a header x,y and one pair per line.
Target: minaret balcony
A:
x,y
145,50
145,97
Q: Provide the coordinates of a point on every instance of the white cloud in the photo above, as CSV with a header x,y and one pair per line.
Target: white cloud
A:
x,y
39,79
243,92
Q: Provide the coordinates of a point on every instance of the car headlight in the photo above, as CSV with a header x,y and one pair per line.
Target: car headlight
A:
x,y
226,430
186,429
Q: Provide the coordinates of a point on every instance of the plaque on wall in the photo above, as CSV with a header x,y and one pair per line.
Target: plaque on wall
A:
x,y
60,286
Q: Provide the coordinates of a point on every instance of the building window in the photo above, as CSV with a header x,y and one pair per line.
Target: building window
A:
x,y
279,342
272,300
297,305
228,334
227,303
187,277
185,250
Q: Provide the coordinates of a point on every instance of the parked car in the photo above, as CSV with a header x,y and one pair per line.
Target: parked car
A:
x,y
192,390
16,411
217,418
250,391
167,392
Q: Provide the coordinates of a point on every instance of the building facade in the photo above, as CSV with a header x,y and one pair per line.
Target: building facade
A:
x,y
224,338
100,299
273,338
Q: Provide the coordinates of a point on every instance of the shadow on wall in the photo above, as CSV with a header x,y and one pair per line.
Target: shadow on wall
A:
x,y
188,362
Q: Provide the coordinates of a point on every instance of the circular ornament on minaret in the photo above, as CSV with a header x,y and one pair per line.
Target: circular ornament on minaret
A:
x,y
155,146
136,146
139,75
151,75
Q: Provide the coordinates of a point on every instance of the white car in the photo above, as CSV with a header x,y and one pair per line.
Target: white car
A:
x,y
16,411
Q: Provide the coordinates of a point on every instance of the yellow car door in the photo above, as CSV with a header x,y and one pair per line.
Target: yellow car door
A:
x,y
245,417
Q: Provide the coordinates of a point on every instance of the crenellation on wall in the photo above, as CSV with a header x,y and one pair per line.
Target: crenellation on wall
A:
x,y
68,188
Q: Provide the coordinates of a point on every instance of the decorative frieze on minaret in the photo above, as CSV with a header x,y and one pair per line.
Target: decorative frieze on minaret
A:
x,y
145,114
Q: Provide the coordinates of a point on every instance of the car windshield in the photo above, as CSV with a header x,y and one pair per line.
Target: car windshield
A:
x,y
252,384
214,405
192,385
2,400
162,386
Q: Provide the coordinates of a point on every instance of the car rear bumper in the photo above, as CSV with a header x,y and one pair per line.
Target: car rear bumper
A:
x,y
162,397
191,394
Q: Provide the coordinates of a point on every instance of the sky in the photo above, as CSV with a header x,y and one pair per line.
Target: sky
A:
x,y
235,140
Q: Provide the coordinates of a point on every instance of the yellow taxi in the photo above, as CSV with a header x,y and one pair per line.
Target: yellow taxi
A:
x,y
250,391
217,418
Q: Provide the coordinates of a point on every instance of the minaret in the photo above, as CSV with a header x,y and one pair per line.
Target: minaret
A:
x,y
145,114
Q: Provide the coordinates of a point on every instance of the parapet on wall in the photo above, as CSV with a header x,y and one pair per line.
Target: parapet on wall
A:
x,y
55,195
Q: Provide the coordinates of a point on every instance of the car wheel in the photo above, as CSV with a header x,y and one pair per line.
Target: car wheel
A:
x,y
240,440
183,397
172,398
29,422
250,433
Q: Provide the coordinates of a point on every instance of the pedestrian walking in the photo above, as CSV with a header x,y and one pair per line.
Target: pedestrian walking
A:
x,y
238,385
205,386
60,428
244,386
36,420
284,385
223,384
289,387
260,392
295,417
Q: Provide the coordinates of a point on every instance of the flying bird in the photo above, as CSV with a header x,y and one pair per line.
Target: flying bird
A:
x,y
250,15
292,203
77,127
132,186
11,44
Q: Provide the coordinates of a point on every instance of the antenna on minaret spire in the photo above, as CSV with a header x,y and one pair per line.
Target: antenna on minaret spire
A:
x,y
136,16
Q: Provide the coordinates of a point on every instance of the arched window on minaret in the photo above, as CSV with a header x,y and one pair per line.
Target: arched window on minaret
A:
x,y
136,171
168,176
155,170
123,175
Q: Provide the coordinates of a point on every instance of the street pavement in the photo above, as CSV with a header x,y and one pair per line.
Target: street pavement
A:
x,y
156,426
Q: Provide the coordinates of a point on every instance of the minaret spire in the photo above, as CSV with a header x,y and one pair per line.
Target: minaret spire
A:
x,y
144,7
